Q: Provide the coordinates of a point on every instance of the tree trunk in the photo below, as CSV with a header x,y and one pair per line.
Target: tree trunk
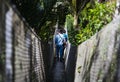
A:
x,y
75,23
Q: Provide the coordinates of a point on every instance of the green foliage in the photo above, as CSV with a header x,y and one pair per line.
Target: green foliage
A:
x,y
77,5
92,19
62,11
35,12
46,32
69,22
39,15
71,31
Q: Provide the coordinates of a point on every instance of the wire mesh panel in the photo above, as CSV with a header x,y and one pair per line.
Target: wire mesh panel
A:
x,y
22,42
21,58
37,62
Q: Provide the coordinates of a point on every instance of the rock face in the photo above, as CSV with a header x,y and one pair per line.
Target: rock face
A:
x,y
98,59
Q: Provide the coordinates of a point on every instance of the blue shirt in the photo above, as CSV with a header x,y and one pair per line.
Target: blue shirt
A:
x,y
65,36
59,39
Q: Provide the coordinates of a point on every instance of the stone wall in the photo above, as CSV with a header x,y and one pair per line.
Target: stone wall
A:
x,y
98,59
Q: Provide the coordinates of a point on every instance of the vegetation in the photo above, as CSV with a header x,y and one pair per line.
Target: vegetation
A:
x,y
76,6
91,20
36,12
83,18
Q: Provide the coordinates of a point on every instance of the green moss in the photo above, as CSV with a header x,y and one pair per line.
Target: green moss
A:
x,y
79,69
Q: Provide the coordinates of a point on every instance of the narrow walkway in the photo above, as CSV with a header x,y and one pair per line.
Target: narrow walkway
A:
x,y
58,72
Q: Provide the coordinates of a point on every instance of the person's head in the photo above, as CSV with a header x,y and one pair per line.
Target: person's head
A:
x,y
61,31
64,31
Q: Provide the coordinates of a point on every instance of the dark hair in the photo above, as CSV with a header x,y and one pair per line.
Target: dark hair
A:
x,y
61,31
64,31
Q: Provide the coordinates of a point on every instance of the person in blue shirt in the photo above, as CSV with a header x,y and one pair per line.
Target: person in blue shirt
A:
x,y
65,35
66,39
59,38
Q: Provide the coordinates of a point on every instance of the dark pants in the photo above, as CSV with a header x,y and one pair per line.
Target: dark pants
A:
x,y
59,50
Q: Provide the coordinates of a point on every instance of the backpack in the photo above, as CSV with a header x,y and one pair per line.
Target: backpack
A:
x,y
64,43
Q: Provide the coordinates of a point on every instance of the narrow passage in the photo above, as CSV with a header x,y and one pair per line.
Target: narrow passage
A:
x,y
58,72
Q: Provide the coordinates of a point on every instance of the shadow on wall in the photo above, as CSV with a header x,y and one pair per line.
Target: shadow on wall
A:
x,y
70,68
117,74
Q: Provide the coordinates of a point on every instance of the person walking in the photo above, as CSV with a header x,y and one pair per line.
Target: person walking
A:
x,y
65,36
66,39
59,38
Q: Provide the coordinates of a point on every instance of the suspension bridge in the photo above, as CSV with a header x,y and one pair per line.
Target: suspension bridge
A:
x,y
24,58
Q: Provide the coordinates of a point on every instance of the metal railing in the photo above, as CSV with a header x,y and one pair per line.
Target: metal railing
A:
x,y
21,58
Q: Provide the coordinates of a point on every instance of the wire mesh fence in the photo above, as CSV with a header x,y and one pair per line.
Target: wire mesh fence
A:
x,y
21,58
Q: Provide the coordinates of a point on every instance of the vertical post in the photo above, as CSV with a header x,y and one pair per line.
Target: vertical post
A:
x,y
117,10
118,6
8,40
51,56
56,28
